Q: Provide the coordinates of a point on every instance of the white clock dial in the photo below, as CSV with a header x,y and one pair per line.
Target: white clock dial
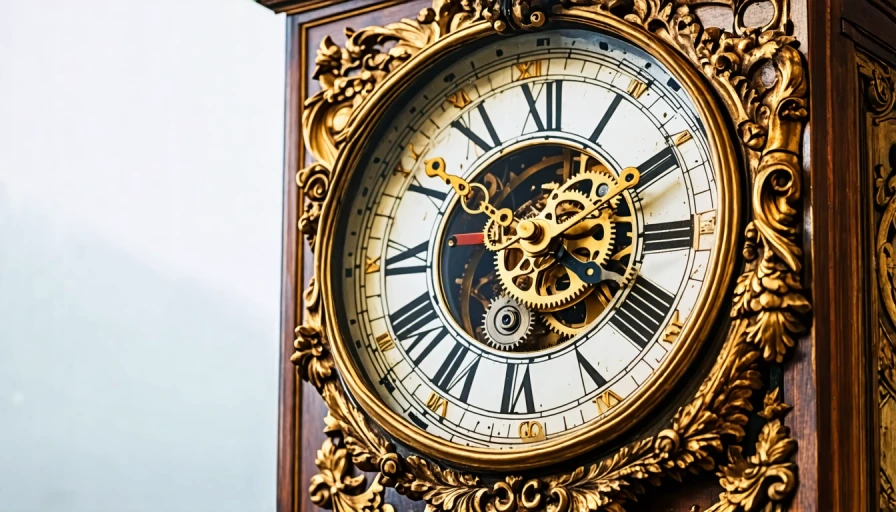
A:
x,y
503,348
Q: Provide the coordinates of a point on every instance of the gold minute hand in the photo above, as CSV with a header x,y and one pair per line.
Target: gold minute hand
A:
x,y
436,168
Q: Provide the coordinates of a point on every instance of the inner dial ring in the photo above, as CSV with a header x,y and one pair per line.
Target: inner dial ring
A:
x,y
470,280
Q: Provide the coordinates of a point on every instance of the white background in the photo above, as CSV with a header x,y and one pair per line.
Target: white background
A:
x,y
140,203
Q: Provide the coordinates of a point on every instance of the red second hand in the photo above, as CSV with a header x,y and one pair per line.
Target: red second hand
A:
x,y
466,239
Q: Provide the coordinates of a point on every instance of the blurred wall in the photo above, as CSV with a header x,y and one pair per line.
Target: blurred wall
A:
x,y
140,203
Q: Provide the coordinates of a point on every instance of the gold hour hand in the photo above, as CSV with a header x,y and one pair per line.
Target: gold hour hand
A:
x,y
436,168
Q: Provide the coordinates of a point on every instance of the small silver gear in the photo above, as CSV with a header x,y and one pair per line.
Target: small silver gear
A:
x,y
507,323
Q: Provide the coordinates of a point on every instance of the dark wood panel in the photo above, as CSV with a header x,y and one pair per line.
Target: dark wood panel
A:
x,y
841,295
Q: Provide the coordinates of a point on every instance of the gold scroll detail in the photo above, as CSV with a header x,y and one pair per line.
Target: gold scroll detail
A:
x,y
769,302
767,479
336,489
880,99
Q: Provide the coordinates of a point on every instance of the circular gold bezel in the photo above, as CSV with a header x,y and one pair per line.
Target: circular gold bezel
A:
x,y
694,331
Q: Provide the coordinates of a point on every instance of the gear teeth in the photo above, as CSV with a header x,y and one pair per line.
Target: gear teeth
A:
x,y
526,318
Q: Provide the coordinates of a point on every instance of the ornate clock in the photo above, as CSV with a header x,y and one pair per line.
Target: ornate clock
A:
x,y
555,248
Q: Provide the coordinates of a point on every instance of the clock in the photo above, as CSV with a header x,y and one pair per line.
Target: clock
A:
x,y
533,245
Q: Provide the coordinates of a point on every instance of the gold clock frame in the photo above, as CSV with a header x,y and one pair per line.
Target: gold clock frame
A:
x,y
650,393
758,75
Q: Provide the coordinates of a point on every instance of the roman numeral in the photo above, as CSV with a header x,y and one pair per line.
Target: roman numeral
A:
x,y
514,390
476,139
657,166
531,69
437,404
637,88
405,254
409,323
606,401
642,313
554,99
429,192
385,342
460,99
605,120
585,367
668,236
450,373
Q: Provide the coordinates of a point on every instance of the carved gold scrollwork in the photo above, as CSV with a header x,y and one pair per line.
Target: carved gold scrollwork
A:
x,y
766,480
880,88
759,76
334,488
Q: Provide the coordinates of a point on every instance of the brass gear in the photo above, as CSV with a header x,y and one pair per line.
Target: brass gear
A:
x,y
539,282
595,303
523,278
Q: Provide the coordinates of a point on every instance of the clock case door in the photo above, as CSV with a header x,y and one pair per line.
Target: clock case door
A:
x,y
302,410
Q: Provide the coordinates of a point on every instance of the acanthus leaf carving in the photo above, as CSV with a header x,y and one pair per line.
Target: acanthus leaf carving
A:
x,y
766,480
334,488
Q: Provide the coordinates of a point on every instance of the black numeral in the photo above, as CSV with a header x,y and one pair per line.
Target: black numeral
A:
x,y
658,166
420,189
668,236
554,100
514,389
641,314
450,374
586,368
405,254
605,120
409,323
474,137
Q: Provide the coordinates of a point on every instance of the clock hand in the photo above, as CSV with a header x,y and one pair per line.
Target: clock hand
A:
x,y
589,272
629,178
462,239
436,168
536,235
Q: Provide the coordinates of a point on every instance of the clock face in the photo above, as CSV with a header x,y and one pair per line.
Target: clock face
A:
x,y
529,235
